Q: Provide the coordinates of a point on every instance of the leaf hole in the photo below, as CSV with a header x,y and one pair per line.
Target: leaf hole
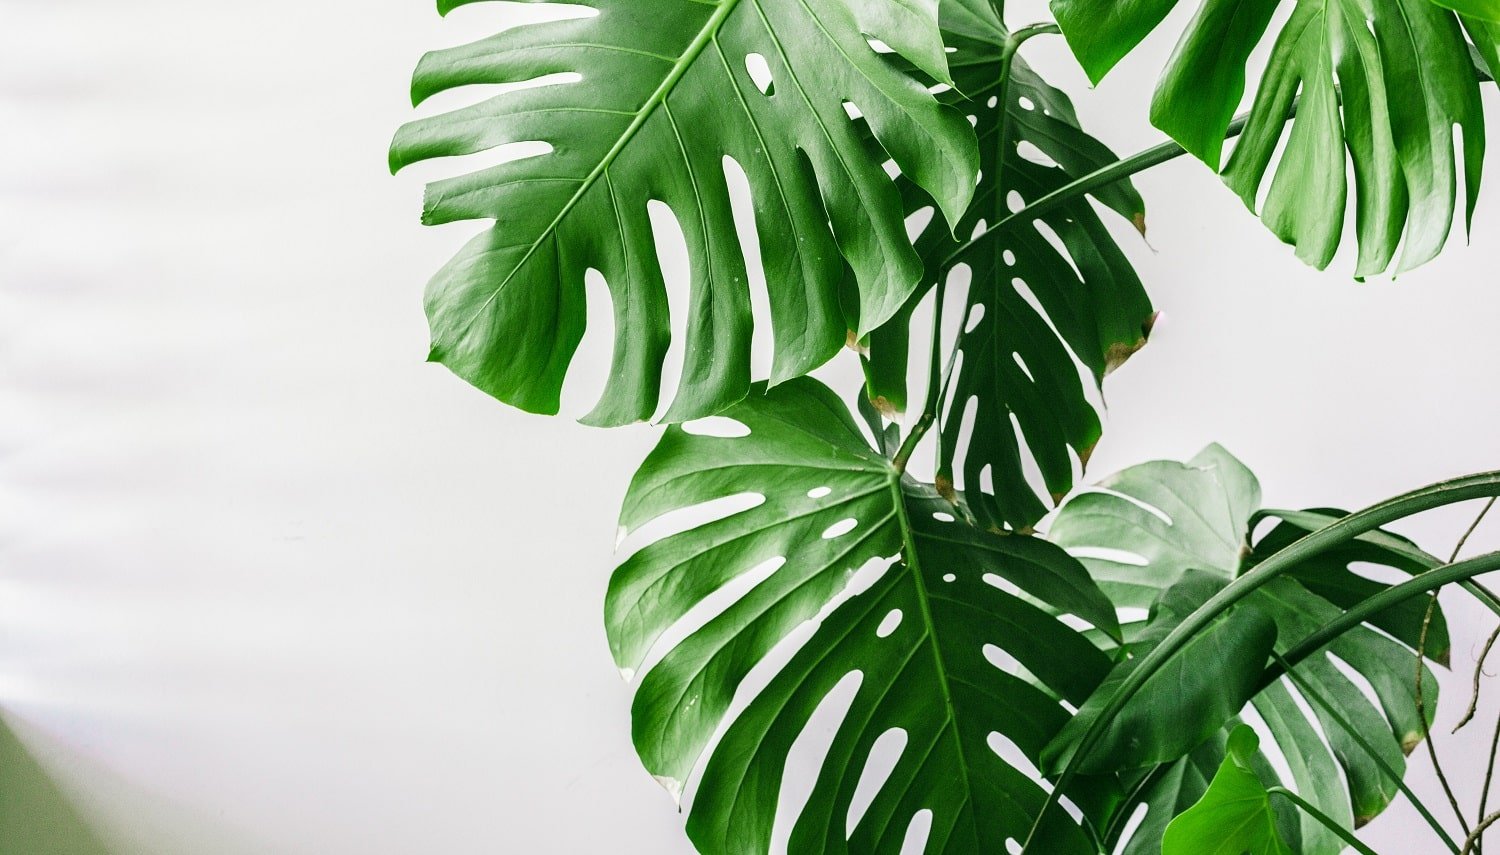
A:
x,y
888,624
976,314
885,754
819,492
807,754
760,74
1109,553
840,528
915,842
917,222
1028,151
716,426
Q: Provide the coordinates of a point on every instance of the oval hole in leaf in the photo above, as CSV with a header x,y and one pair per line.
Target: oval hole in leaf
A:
x,y
884,755
760,74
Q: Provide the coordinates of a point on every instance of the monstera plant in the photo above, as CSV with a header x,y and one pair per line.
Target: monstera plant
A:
x,y
1008,660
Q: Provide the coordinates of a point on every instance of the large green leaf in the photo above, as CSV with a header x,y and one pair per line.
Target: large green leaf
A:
x,y
1016,381
666,95
846,591
1385,80
1147,527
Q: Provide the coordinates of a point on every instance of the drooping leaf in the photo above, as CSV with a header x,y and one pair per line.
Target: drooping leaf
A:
x,y
1235,816
1386,81
1142,532
667,93
1042,290
1186,702
842,589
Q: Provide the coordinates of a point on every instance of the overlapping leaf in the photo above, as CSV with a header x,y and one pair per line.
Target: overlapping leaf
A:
x,y
666,95
1386,81
843,589
1146,528
1043,289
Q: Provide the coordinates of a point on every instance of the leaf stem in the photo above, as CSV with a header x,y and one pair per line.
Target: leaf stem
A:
x,y
1322,818
1484,792
1432,603
1437,765
1478,672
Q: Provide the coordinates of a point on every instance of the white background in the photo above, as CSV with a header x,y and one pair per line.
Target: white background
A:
x,y
270,584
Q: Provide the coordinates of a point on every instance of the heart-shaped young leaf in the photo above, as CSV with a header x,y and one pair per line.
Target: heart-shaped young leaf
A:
x,y
835,599
1145,528
1043,290
670,91
1385,80
1235,816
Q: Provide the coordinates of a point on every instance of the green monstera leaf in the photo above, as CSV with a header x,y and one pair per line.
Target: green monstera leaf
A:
x,y
811,589
669,92
1386,81
1153,530
1043,290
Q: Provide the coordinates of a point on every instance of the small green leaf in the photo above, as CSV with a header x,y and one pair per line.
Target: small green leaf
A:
x,y
1235,816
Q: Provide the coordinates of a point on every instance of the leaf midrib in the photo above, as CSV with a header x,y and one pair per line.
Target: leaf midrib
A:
x,y
658,97
914,567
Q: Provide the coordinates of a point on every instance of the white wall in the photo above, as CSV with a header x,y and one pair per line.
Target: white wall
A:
x,y
270,584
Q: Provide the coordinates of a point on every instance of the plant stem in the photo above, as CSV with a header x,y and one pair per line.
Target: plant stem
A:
x,y
1478,672
1484,792
1479,830
1437,765
1322,818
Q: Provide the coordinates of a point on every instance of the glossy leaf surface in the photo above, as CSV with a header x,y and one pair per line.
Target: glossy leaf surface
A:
x,y
1147,527
668,94
1042,290
840,594
1381,82
1235,816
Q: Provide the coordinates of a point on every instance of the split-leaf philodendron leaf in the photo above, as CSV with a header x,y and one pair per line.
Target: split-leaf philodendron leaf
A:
x,y
844,601
1386,81
1146,529
1041,289
667,95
